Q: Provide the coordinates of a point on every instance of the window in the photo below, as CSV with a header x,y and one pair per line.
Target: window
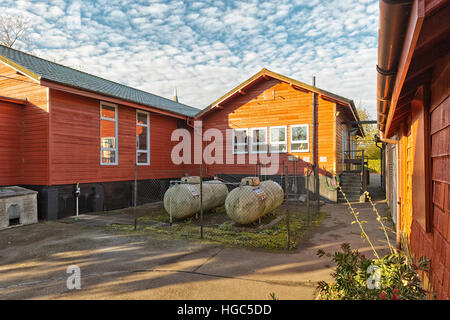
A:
x,y
259,140
278,140
108,134
299,138
240,141
142,138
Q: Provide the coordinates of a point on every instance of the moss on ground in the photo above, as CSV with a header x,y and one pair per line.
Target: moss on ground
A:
x,y
219,229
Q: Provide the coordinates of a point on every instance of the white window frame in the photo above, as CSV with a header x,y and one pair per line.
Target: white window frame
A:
x,y
147,150
278,143
299,141
258,143
115,120
240,144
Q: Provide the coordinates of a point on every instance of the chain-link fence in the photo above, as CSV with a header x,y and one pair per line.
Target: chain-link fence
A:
x,y
253,210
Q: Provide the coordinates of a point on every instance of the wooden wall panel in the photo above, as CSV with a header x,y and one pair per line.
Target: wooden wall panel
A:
x,y
435,244
275,103
35,123
75,143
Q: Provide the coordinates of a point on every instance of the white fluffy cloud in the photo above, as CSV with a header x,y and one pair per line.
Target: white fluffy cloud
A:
x,y
205,48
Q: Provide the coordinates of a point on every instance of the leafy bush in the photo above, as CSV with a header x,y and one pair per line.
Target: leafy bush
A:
x,y
374,165
392,277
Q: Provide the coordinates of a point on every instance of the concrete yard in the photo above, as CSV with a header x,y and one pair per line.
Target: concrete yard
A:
x,y
34,260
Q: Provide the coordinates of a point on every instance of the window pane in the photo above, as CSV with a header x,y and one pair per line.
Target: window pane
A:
x,y
142,157
108,112
108,134
241,148
278,147
278,134
240,136
259,135
142,138
259,148
108,156
142,118
299,133
299,146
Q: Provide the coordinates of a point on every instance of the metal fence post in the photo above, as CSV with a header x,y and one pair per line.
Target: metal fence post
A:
x,y
307,195
135,195
201,201
288,233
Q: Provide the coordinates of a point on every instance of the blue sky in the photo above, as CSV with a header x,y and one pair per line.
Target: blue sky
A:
x,y
205,48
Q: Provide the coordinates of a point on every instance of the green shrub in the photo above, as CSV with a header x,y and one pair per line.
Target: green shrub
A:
x,y
374,165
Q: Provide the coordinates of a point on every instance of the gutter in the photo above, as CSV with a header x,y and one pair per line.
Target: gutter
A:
x,y
394,17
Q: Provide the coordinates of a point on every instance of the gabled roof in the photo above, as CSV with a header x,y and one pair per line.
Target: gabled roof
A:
x,y
41,69
264,73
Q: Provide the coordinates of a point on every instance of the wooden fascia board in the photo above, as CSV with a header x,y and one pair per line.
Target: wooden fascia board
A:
x,y
15,101
31,75
56,86
412,35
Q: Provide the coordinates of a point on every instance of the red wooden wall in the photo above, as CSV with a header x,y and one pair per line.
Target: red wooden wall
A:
x,y
436,244
75,143
35,123
11,143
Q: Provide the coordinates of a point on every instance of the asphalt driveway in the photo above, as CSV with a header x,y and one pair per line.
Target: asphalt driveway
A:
x,y
34,261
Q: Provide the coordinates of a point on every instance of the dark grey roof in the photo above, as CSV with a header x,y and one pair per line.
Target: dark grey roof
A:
x,y
74,78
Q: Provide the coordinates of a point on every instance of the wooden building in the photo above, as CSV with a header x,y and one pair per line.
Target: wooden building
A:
x,y
60,127
271,113
414,117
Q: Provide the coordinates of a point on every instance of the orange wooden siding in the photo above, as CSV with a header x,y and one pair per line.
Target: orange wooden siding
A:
x,y
11,143
75,143
35,123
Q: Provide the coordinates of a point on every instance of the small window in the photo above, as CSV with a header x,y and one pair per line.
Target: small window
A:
x,y
108,134
278,139
142,138
240,141
259,140
299,138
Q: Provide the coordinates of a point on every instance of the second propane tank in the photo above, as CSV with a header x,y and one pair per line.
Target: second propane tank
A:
x,y
253,199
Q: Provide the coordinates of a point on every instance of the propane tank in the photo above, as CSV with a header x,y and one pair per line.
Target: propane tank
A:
x,y
183,200
247,203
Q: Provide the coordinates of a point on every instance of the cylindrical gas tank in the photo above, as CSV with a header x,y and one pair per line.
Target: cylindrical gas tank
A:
x,y
183,200
248,203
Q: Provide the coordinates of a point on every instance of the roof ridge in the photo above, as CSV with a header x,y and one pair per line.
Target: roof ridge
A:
x,y
309,85
93,75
